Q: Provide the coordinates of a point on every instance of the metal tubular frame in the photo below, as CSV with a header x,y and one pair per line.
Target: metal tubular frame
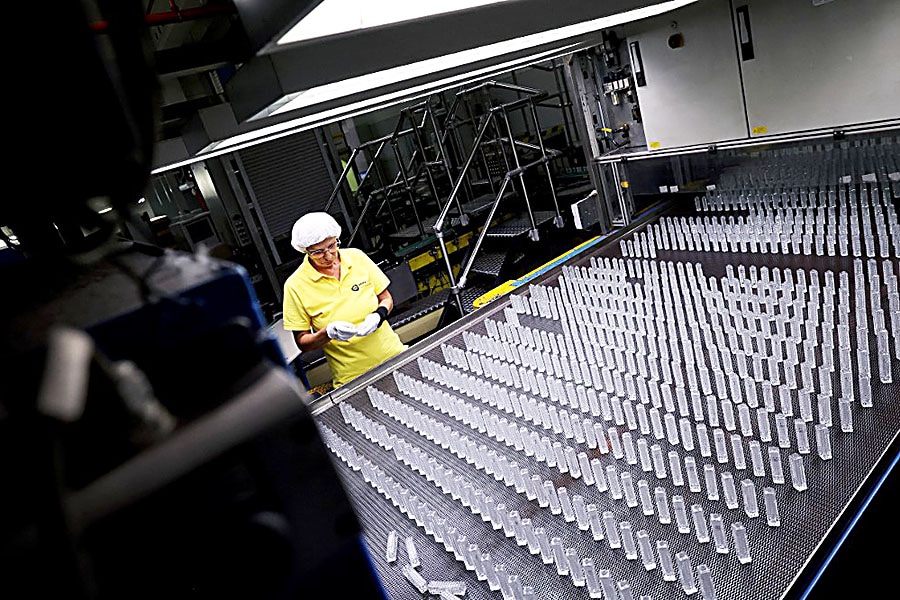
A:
x,y
403,179
490,120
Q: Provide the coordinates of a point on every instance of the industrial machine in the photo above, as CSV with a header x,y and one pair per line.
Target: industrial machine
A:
x,y
703,406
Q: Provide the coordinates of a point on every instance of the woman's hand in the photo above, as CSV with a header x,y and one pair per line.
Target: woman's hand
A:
x,y
341,330
368,325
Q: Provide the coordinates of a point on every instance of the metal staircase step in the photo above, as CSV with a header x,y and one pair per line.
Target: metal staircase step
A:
x,y
482,203
489,263
519,225
412,232
468,295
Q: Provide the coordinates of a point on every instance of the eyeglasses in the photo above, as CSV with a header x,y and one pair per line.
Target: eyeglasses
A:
x,y
333,246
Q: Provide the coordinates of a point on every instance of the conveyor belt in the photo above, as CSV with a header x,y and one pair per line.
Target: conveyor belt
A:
x,y
619,338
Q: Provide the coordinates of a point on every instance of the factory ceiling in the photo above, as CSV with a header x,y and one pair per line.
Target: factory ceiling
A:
x,y
199,46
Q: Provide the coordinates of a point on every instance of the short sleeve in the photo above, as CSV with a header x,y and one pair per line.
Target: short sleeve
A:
x,y
293,313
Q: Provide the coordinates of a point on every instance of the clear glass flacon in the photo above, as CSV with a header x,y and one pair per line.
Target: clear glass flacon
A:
x,y
615,442
503,580
510,520
606,582
644,454
720,539
763,424
824,409
628,543
646,550
572,461
771,505
594,521
700,527
628,488
784,439
584,465
612,478
575,569
737,452
565,503
823,441
553,497
599,474
544,544
741,545
391,552
611,529
775,466
624,590
686,573
662,505
591,579
666,564
712,487
707,589
846,415
681,517
748,491
798,472
559,556
802,436
690,465
581,515
675,468
659,464
412,554
415,578
646,500
884,357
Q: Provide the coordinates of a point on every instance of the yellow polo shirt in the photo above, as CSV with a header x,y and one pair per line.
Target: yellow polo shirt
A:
x,y
312,300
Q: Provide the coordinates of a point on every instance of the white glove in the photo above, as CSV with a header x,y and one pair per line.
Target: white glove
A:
x,y
368,325
340,330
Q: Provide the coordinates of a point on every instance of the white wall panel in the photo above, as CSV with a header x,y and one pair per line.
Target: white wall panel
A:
x,y
822,66
692,93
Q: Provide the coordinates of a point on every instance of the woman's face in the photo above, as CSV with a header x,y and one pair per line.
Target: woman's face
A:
x,y
325,253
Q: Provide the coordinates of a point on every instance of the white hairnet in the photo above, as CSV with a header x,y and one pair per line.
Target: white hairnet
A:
x,y
312,228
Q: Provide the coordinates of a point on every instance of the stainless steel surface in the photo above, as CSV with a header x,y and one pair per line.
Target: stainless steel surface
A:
x,y
634,338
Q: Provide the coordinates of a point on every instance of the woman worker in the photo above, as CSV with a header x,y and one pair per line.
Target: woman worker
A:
x,y
338,300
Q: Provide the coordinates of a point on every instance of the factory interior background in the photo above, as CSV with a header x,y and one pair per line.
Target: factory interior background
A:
x,y
644,253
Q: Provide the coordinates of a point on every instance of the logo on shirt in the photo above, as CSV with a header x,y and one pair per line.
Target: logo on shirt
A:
x,y
356,286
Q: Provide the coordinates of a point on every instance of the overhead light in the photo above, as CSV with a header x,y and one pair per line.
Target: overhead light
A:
x,y
331,17
348,87
336,100
381,79
252,137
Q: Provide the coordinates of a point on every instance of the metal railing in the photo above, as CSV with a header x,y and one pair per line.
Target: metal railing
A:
x,y
501,111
